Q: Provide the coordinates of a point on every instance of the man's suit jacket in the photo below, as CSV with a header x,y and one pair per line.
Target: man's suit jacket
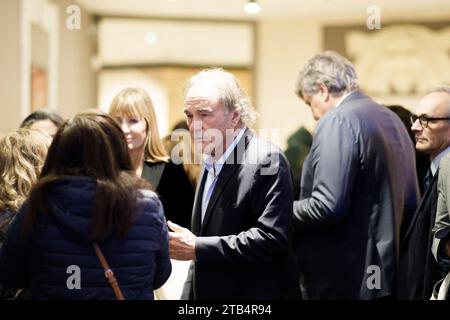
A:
x,y
362,180
419,271
243,245
441,230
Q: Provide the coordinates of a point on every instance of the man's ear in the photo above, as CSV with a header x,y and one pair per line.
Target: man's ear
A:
x,y
236,119
323,91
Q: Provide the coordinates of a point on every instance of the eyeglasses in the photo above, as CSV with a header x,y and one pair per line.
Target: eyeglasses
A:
x,y
423,120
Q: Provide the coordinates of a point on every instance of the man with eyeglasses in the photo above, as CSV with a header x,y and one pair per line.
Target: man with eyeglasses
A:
x,y
418,269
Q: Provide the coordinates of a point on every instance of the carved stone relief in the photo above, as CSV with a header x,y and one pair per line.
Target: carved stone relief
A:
x,y
400,59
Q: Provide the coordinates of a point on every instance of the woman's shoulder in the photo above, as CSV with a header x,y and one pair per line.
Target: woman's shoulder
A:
x,y
146,195
149,206
6,217
148,201
6,214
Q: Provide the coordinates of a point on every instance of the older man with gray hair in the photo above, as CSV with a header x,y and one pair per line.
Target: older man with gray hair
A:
x,y
241,221
358,182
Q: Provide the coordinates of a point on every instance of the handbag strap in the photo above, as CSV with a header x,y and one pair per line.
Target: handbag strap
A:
x,y
109,274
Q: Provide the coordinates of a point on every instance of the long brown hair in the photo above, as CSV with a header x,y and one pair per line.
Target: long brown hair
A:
x,y
91,144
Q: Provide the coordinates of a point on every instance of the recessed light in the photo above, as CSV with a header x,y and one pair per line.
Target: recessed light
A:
x,y
151,37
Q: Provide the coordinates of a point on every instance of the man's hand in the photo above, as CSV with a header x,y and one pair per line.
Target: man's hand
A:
x,y
181,242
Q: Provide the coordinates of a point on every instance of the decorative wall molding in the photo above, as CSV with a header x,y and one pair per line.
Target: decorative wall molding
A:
x,y
400,59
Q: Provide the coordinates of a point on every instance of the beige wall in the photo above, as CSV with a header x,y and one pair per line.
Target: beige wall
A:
x,y
284,46
77,81
9,65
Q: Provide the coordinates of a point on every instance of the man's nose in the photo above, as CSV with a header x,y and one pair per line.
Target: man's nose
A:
x,y
416,126
196,129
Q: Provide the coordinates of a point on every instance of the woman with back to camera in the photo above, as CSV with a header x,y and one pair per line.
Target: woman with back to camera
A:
x,y
22,155
133,109
86,195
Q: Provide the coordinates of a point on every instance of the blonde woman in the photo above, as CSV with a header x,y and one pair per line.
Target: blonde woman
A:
x,y
133,109
22,155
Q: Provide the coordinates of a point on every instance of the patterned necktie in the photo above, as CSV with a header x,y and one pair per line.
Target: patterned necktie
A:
x,y
427,179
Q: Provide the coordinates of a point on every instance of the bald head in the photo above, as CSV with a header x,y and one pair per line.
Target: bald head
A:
x,y
437,101
435,136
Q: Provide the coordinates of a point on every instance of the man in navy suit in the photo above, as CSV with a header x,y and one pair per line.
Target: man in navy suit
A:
x,y
241,221
359,180
419,271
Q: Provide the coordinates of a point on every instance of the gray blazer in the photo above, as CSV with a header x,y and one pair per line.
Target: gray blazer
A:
x,y
243,246
362,181
441,228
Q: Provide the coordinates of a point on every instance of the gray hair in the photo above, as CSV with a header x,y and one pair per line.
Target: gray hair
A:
x,y
233,95
329,68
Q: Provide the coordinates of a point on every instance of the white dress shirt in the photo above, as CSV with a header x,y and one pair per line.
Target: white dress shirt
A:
x,y
213,168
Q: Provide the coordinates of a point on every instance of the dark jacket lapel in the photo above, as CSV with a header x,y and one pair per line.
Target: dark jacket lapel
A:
x,y
233,162
422,203
197,209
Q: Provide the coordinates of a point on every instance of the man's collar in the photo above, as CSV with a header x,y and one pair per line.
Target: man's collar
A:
x,y
437,160
343,98
216,165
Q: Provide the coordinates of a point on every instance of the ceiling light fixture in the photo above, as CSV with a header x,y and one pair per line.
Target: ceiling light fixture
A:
x,y
252,7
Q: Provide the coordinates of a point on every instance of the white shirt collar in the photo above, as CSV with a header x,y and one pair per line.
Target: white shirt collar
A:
x,y
217,165
437,160
343,98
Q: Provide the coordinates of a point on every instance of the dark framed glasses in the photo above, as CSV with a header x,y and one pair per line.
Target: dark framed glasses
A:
x,y
423,120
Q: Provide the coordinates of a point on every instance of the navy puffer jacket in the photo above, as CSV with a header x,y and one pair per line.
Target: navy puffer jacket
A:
x,y
42,261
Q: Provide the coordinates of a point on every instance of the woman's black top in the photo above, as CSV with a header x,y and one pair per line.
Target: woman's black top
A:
x,y
174,189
